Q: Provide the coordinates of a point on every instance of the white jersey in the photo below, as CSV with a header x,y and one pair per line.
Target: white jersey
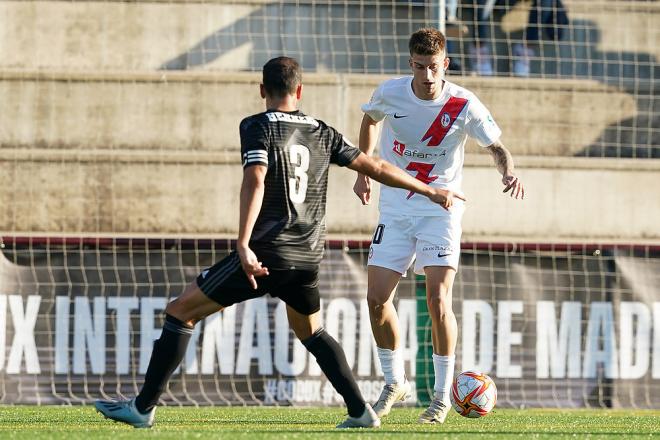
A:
x,y
427,138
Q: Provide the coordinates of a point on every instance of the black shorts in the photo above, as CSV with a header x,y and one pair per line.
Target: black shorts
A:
x,y
226,283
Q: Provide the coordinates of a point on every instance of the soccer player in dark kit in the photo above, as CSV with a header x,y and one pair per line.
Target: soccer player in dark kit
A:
x,y
286,156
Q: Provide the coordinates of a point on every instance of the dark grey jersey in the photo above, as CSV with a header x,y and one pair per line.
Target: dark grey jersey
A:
x,y
298,150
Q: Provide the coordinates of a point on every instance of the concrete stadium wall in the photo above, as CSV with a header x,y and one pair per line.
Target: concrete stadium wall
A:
x,y
567,199
157,154
200,112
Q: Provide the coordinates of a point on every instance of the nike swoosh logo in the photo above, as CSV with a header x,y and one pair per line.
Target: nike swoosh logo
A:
x,y
399,116
443,255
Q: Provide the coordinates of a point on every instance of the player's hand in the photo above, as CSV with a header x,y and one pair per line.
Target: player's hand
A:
x,y
362,188
251,265
513,184
445,198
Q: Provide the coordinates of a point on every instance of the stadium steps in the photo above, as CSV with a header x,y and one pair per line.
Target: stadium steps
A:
x,y
196,113
102,134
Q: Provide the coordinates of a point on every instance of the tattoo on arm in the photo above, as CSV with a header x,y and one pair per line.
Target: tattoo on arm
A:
x,y
502,157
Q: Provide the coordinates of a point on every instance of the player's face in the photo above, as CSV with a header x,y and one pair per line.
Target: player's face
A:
x,y
428,73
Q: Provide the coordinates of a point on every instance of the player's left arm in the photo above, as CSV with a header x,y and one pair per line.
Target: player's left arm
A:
x,y
251,199
481,126
504,163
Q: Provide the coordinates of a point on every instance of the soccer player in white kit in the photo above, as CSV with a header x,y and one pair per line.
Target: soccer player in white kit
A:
x,y
426,121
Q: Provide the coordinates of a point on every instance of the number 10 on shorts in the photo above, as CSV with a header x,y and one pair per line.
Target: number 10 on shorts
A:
x,y
378,234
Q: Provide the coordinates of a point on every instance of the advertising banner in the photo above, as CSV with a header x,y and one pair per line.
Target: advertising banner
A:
x,y
559,328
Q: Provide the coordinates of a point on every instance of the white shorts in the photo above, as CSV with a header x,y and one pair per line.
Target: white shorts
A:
x,y
429,240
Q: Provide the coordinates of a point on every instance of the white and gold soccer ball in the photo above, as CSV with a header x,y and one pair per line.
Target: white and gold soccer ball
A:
x,y
473,394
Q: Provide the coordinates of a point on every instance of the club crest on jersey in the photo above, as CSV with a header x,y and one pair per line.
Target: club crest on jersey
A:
x,y
443,122
445,119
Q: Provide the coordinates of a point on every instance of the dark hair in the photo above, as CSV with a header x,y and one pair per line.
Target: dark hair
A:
x,y
427,41
281,76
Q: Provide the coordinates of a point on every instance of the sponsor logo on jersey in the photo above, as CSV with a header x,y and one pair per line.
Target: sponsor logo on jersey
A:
x,y
401,150
204,273
443,122
416,154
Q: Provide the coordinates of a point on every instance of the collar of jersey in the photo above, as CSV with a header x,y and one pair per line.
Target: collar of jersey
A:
x,y
292,112
440,98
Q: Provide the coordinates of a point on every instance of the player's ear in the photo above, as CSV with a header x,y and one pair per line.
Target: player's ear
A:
x,y
445,64
299,91
262,91
410,62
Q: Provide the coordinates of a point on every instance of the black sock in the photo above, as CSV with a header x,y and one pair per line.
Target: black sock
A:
x,y
332,360
168,352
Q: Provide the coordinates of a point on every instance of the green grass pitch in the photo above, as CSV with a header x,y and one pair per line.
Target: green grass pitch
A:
x,y
82,422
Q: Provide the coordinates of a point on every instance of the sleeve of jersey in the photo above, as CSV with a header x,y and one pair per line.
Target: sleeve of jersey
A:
x,y
375,108
343,151
254,144
481,125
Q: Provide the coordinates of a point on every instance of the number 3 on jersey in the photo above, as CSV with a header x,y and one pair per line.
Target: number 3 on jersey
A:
x,y
299,158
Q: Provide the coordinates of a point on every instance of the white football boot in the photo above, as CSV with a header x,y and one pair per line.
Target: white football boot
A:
x,y
391,394
436,412
368,419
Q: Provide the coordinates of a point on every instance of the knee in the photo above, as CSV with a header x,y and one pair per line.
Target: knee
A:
x,y
440,307
376,302
179,309
304,332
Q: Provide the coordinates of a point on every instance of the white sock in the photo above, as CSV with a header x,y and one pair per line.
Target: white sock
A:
x,y
444,374
391,363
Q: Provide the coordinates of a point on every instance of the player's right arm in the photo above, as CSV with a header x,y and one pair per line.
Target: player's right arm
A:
x,y
254,150
390,175
367,144
374,112
251,199
346,155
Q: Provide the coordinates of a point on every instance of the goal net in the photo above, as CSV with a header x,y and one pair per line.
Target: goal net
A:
x,y
555,326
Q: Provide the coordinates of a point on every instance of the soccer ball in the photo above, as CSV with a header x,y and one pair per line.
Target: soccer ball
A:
x,y
473,394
